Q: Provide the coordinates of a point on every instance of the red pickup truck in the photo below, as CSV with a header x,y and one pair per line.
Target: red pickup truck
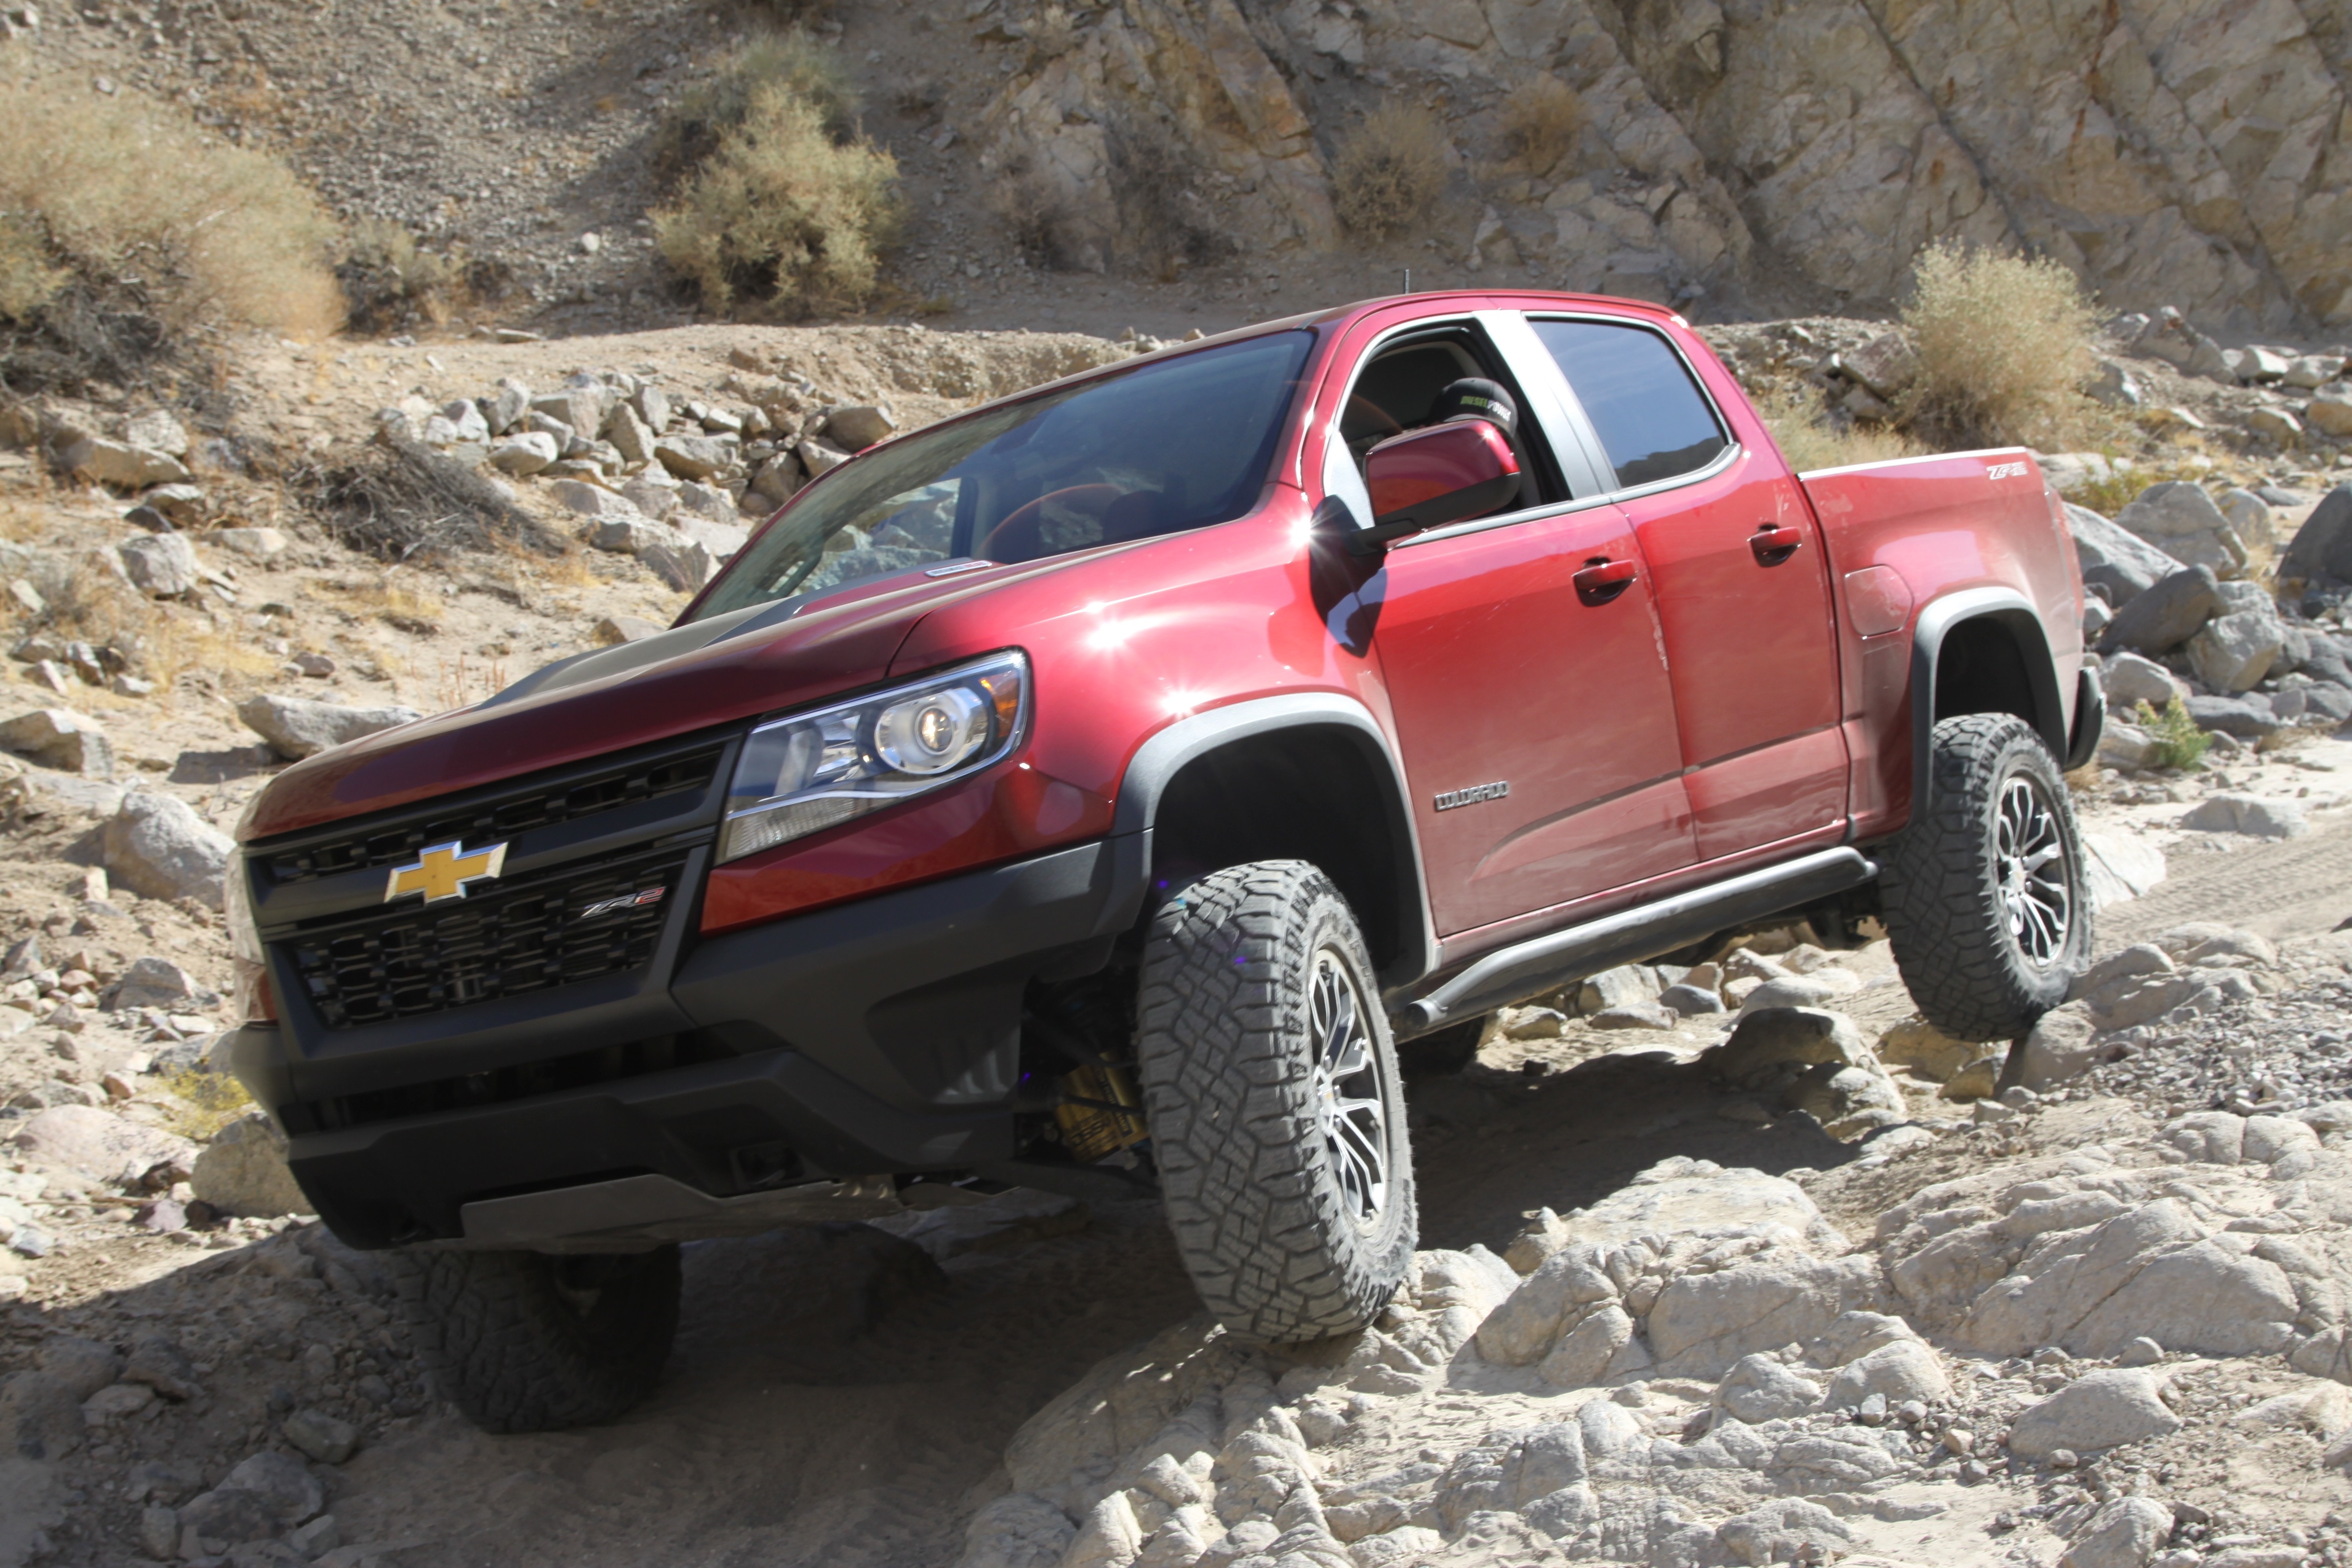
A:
x,y
1089,792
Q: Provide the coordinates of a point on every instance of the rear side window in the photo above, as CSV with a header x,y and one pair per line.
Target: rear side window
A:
x,y
1651,421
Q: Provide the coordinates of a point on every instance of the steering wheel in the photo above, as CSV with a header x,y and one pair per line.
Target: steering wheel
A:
x,y
1020,537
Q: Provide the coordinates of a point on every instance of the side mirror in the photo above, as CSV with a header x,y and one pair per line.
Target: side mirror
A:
x,y
1427,478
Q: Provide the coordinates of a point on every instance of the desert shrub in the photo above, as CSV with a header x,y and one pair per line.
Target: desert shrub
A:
x,y
29,275
2179,743
1165,223
390,282
782,213
788,59
1540,125
202,1102
1037,218
103,187
1389,169
401,501
1810,439
2122,487
2003,342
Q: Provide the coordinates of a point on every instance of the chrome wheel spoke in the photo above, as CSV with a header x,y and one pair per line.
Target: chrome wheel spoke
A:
x,y
2030,860
1350,1100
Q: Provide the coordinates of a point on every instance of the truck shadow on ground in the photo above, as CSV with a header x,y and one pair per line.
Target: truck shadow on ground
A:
x,y
1490,1146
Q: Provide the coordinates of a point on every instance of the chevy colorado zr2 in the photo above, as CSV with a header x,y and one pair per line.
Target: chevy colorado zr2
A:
x,y
1091,791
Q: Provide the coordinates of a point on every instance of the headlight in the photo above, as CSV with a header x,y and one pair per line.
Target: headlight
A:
x,y
813,770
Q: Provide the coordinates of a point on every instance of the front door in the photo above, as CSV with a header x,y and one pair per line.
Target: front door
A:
x,y
1535,712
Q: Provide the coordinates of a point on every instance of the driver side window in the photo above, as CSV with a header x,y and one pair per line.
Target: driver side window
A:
x,y
1397,390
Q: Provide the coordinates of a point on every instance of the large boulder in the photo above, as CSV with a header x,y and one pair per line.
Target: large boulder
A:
x,y
856,428
694,456
156,845
2180,518
2114,560
242,1171
2097,1411
63,738
2248,718
2059,1046
162,565
2231,653
2132,679
591,500
2126,1532
120,464
98,1143
296,728
153,981
2322,547
2168,615
685,566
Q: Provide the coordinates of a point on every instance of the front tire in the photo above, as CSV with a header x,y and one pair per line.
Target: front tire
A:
x,y
1986,896
522,1342
1271,1086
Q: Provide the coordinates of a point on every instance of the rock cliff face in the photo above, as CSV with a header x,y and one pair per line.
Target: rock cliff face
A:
x,y
2175,151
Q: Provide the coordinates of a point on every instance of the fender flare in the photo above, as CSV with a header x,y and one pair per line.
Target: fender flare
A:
x,y
1169,750
2090,717
1937,620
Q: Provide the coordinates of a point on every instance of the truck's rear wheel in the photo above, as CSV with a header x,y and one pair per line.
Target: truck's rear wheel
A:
x,y
1271,1086
522,1342
1986,895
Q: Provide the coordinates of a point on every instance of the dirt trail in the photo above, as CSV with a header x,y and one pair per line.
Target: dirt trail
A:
x,y
2293,888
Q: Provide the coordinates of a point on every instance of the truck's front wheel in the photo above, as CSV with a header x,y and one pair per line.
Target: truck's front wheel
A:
x,y
1271,1086
522,1342
1985,892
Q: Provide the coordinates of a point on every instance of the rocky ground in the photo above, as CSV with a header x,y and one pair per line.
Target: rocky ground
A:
x,y
1730,1263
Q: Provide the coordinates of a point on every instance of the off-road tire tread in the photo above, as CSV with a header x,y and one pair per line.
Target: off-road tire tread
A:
x,y
1938,891
1258,1220
514,1357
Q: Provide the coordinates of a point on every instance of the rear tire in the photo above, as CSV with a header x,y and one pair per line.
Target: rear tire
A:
x,y
522,1342
1986,896
1271,1088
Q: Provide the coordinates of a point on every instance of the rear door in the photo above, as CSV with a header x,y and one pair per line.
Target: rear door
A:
x,y
1740,579
1535,715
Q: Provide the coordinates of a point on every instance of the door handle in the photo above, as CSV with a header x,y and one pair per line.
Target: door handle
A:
x,y
1601,579
1774,544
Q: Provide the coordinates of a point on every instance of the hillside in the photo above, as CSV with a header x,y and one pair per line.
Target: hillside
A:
x,y
1164,164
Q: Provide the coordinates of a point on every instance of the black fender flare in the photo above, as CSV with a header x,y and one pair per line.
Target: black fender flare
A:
x,y
1160,758
2017,615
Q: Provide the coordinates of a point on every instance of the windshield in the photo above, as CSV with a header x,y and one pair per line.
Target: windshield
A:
x,y
1177,444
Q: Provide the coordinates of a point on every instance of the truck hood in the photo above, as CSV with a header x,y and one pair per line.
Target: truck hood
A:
x,y
730,667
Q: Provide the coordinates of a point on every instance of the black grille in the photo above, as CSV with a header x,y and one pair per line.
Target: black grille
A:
x,y
524,934
502,818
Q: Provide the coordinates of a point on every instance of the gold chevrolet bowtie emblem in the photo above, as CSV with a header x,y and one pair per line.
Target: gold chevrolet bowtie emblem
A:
x,y
443,871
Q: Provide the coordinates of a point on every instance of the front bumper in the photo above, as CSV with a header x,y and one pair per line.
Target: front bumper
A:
x,y
877,1037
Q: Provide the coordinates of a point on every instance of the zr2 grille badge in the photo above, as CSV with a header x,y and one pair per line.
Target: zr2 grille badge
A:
x,y
625,901
445,871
